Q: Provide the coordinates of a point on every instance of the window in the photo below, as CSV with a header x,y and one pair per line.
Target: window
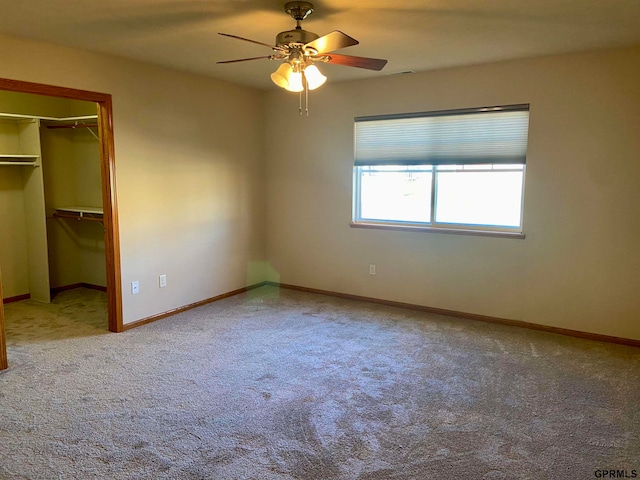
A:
x,y
454,170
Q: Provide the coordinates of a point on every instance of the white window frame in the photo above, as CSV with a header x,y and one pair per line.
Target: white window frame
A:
x,y
433,225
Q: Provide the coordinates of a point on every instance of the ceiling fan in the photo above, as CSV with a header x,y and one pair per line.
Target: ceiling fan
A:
x,y
299,49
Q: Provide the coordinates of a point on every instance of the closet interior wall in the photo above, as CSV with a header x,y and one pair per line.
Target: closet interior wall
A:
x,y
71,167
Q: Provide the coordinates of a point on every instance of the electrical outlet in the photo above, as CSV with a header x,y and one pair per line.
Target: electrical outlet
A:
x,y
135,287
372,269
162,280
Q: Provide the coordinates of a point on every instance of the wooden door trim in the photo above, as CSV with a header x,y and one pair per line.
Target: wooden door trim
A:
x,y
3,344
109,201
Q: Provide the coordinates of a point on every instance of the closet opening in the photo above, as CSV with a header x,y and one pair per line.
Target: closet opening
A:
x,y
58,209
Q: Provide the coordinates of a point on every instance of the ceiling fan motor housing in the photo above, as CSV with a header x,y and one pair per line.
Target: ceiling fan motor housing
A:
x,y
295,36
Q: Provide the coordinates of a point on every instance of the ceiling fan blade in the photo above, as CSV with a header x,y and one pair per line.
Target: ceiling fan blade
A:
x,y
332,41
350,61
245,59
252,41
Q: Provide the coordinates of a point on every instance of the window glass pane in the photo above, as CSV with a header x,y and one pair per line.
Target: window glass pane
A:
x,y
397,196
479,198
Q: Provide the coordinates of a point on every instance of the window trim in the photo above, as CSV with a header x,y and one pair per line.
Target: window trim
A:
x,y
426,229
434,226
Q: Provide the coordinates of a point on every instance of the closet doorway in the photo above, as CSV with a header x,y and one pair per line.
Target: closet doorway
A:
x,y
102,125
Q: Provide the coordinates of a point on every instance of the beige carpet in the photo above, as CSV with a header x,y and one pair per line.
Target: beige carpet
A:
x,y
277,384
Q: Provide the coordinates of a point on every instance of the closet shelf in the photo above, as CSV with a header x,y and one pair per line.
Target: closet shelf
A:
x,y
10,159
79,213
19,116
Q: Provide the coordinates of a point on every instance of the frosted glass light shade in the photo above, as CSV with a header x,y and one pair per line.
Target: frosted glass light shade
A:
x,y
314,77
295,82
281,76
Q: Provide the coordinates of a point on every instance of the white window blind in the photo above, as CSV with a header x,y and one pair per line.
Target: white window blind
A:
x,y
492,135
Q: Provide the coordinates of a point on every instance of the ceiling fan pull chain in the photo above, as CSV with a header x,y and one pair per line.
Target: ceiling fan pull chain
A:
x,y
306,95
300,103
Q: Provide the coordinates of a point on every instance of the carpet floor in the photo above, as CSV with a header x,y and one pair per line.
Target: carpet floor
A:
x,y
278,384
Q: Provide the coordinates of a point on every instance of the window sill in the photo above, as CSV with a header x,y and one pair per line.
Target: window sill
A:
x,y
453,231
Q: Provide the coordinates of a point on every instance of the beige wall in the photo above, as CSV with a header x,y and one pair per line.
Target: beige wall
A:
x,y
206,179
579,264
188,171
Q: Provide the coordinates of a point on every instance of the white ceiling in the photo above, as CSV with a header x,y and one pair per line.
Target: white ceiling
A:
x,y
412,34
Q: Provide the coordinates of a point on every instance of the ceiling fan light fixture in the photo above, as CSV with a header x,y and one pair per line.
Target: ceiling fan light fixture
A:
x,y
281,77
314,77
295,82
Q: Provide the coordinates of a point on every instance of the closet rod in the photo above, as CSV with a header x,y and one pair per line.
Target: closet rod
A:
x,y
79,216
77,125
